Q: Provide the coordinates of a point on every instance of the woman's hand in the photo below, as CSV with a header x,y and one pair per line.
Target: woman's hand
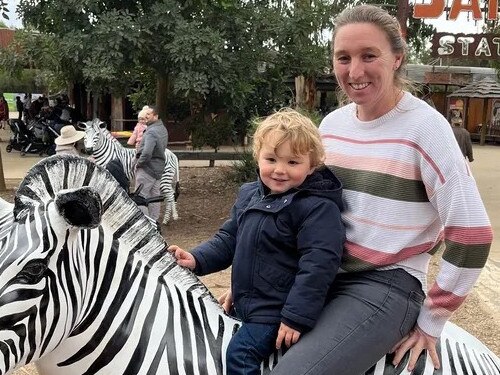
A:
x,y
184,258
287,335
417,341
226,300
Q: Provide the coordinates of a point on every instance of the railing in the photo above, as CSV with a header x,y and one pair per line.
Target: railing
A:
x,y
211,156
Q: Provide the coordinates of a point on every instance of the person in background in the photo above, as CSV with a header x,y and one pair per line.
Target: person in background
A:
x,y
27,106
136,137
151,161
4,112
36,106
406,196
462,136
284,241
65,143
19,107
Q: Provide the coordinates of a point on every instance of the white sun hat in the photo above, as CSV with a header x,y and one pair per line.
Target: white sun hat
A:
x,y
69,135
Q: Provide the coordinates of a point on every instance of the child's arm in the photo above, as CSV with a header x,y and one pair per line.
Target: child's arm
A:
x,y
183,257
288,335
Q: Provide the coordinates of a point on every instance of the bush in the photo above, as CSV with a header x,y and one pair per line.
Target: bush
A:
x,y
244,170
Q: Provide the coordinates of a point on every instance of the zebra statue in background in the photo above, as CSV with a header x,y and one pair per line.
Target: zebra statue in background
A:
x,y
100,143
87,287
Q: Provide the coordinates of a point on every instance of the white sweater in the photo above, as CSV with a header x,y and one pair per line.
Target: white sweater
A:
x,y
408,190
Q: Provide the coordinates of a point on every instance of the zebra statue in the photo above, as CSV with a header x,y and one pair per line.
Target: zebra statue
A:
x,y
87,287
101,144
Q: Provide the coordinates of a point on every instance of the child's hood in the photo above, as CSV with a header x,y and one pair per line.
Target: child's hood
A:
x,y
324,183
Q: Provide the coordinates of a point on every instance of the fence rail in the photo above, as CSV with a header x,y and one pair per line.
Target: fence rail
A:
x,y
207,155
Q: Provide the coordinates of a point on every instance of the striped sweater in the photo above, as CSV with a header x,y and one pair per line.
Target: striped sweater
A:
x,y
407,191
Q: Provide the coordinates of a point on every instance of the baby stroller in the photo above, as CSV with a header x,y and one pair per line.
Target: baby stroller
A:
x,y
36,137
19,135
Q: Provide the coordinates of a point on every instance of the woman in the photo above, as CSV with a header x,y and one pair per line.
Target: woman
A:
x,y
407,191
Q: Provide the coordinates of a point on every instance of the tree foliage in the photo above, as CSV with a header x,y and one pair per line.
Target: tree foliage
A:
x,y
210,54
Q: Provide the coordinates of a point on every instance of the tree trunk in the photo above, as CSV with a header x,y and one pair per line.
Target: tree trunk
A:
x,y
2,177
116,113
161,96
305,92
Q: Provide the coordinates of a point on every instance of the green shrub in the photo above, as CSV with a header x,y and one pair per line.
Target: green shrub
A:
x,y
244,170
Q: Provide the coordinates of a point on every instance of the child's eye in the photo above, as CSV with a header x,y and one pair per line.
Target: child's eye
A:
x,y
293,162
271,160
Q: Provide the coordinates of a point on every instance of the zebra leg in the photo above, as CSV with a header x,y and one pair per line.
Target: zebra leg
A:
x,y
168,211
175,215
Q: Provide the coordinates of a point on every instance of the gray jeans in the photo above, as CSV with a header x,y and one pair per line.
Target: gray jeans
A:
x,y
368,314
150,189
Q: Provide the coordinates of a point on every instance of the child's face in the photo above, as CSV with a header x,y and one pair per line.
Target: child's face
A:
x,y
281,170
142,120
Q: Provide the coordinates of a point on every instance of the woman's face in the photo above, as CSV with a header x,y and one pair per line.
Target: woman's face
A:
x,y
364,65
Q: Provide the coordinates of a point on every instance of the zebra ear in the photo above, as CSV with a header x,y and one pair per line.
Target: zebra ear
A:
x,y
81,125
80,207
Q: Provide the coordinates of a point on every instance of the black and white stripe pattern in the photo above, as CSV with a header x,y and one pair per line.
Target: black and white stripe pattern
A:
x,y
104,148
87,287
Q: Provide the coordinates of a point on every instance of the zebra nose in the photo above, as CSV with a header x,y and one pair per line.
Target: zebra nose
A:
x,y
89,150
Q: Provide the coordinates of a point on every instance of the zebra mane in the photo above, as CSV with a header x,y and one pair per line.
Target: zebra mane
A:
x,y
120,214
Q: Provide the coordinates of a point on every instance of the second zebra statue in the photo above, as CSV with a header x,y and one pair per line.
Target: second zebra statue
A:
x,y
104,147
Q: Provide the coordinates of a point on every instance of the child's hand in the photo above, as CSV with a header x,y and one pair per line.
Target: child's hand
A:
x,y
226,300
286,335
183,257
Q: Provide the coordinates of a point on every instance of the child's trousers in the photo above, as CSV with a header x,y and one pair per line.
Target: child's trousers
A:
x,y
249,346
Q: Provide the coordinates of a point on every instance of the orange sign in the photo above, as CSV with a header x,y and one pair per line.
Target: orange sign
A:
x,y
436,8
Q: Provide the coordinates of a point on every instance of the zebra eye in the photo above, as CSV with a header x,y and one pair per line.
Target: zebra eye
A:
x,y
32,272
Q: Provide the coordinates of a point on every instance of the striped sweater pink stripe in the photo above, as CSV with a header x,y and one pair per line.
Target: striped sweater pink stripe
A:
x,y
407,189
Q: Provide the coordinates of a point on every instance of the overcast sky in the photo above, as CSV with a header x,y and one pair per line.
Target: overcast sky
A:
x,y
442,25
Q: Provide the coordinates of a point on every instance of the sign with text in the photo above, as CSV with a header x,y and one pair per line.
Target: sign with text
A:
x,y
479,46
436,8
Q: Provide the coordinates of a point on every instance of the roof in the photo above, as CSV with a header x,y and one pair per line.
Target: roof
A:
x,y
455,75
6,36
486,88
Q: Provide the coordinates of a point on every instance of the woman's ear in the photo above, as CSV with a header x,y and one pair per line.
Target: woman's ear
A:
x,y
397,63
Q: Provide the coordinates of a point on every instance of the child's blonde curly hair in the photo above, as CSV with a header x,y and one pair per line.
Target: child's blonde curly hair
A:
x,y
289,125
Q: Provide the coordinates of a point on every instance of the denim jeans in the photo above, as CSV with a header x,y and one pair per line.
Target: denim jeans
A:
x,y
368,314
249,346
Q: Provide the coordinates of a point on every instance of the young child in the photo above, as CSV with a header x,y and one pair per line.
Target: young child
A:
x,y
284,240
136,137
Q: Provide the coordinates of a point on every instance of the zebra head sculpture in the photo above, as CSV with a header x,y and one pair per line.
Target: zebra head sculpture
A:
x,y
86,287
92,139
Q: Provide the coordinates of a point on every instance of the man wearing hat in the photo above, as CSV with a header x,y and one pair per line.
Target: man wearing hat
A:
x,y
65,143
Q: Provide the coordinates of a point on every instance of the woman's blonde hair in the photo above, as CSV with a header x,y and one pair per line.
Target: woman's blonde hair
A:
x,y
289,125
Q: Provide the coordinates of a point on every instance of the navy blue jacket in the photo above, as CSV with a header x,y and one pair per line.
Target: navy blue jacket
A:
x,y
285,250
